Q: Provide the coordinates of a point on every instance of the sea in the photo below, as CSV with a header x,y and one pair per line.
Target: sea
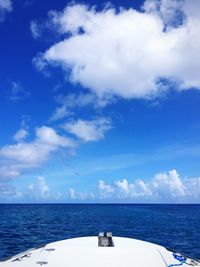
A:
x,y
24,226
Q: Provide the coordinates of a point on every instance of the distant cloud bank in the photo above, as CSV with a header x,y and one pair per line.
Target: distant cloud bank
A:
x,y
164,187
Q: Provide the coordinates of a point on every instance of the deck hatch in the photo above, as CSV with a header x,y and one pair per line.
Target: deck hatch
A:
x,y
105,240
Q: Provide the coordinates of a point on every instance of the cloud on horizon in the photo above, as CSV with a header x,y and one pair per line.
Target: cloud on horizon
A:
x,y
163,187
39,190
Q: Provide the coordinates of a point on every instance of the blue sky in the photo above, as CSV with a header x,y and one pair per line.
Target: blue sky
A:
x,y
100,102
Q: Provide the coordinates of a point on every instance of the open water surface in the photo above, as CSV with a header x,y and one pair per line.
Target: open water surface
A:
x,y
23,226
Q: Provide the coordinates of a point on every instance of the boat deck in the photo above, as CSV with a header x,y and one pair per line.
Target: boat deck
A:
x,y
85,252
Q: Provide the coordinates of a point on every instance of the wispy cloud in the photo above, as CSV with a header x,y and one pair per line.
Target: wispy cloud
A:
x,y
6,190
121,163
18,92
20,135
171,11
67,104
85,130
5,7
40,65
25,156
35,29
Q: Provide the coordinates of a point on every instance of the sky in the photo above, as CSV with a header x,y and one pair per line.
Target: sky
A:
x,y
100,101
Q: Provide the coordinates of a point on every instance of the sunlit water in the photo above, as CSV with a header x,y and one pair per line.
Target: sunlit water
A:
x,y
26,226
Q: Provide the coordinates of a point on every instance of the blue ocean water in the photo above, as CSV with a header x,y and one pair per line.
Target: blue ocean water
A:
x,y
23,226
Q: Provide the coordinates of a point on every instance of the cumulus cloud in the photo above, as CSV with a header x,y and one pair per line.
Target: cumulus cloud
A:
x,y
5,6
164,186
23,156
169,184
39,190
136,190
105,190
129,53
43,187
125,190
85,130
72,193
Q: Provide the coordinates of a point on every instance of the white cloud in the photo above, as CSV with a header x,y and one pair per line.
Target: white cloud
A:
x,y
169,183
20,135
105,190
31,187
5,6
39,190
137,189
93,130
43,187
123,186
163,187
23,156
48,136
129,53
74,195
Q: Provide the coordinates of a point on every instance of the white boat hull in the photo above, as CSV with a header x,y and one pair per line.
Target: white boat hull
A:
x,y
85,252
